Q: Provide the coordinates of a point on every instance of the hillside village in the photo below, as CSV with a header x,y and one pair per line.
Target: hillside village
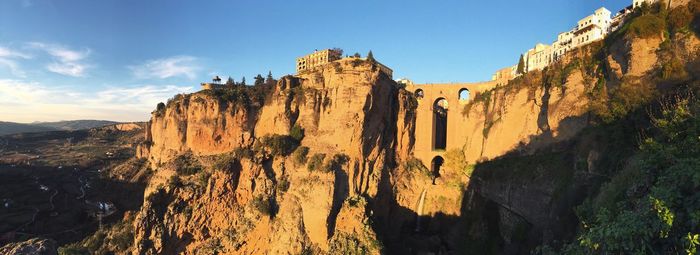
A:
x,y
590,29
587,30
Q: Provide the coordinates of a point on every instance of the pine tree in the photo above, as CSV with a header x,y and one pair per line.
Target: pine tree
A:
x,y
521,65
243,81
370,56
269,79
230,81
259,80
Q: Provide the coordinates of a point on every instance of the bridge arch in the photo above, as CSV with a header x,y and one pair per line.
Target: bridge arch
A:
x,y
440,107
464,95
436,166
419,93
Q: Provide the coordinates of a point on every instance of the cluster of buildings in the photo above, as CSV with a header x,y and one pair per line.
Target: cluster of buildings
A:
x,y
322,57
592,28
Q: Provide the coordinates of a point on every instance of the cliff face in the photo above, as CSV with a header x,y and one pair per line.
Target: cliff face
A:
x,y
324,162
267,202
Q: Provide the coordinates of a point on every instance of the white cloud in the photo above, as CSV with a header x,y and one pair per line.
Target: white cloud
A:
x,y
24,101
8,59
167,67
68,62
8,53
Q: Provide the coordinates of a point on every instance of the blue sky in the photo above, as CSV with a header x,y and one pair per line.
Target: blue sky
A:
x,y
116,59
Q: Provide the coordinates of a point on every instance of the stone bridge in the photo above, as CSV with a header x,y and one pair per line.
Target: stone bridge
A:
x,y
440,125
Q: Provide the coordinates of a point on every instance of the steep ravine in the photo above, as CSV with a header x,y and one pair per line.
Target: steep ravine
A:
x,y
322,163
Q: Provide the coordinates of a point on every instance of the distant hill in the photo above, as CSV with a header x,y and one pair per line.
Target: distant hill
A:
x,y
7,128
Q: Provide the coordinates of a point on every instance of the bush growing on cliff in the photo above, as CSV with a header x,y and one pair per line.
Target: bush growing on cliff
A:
x,y
175,181
654,206
300,155
455,161
334,163
187,165
647,26
297,133
316,161
279,144
283,184
679,18
72,250
262,204
224,162
416,165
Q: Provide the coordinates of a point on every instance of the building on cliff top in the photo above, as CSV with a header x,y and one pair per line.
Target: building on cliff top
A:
x,y
323,57
318,58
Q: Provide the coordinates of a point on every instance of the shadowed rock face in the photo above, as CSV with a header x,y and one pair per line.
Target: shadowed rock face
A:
x,y
348,110
366,189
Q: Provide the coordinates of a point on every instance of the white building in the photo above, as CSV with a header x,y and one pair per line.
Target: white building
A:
x,y
563,44
538,57
589,29
592,28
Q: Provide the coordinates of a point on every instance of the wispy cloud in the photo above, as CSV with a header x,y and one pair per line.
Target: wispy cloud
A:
x,y
8,59
167,67
66,61
25,101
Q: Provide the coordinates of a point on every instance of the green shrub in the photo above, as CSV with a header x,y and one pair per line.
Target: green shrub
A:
x,y
679,18
123,240
224,161
455,161
651,207
416,165
279,144
187,165
316,161
203,178
175,181
283,184
243,152
262,205
297,133
335,162
673,70
300,155
646,26
73,249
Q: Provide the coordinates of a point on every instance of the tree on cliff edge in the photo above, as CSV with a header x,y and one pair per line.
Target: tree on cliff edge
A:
x,y
521,65
230,81
370,56
259,80
270,79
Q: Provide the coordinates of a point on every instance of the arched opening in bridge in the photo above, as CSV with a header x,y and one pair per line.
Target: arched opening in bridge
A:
x,y
463,95
419,93
435,167
440,124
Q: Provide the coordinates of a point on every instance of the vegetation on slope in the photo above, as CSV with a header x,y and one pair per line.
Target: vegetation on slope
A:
x,y
640,195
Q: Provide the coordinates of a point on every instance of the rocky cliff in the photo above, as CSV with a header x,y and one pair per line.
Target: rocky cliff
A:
x,y
251,193
323,162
